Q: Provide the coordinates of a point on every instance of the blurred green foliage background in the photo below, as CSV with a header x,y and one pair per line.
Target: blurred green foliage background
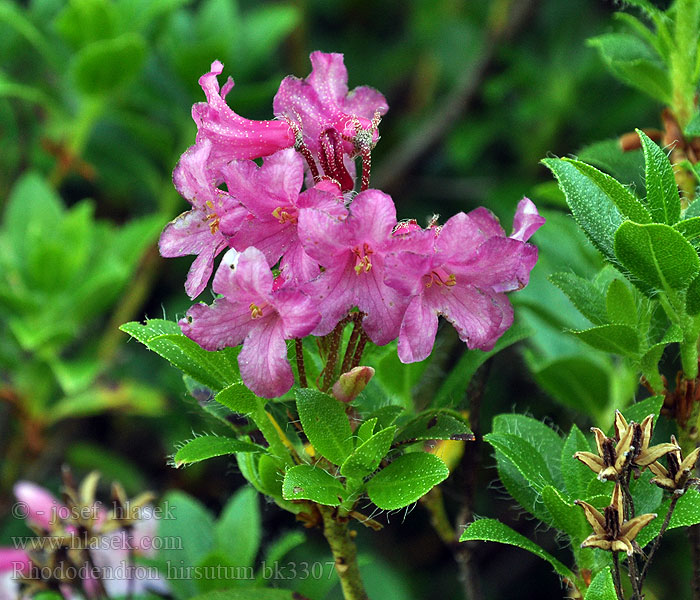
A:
x,y
95,100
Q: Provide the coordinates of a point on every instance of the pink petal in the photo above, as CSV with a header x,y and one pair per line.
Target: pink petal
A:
x,y
405,271
526,221
334,294
297,266
297,312
329,77
201,269
40,505
263,360
462,233
418,330
364,101
475,314
231,135
263,189
384,306
188,233
323,235
14,560
191,177
253,275
503,264
372,217
271,237
220,325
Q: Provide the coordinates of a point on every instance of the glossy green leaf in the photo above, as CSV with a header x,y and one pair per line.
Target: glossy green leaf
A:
x,y
584,295
366,457
208,446
325,423
306,482
662,192
238,398
405,480
490,530
627,167
657,254
441,424
576,475
542,437
239,529
617,339
365,431
214,369
620,303
566,516
524,456
602,587
102,66
686,513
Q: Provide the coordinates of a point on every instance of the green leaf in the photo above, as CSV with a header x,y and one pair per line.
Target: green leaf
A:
x,y
626,202
188,529
634,63
620,303
405,480
366,457
607,155
239,530
209,446
306,482
216,370
692,129
657,254
662,192
490,530
692,298
686,513
439,424
365,431
566,516
84,21
542,437
102,66
584,295
454,387
689,228
638,411
602,587
131,396
577,382
594,211
246,594
524,456
576,475
617,339
650,359
238,398
325,423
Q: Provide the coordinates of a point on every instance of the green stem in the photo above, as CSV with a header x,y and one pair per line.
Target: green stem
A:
x,y
657,541
337,533
683,60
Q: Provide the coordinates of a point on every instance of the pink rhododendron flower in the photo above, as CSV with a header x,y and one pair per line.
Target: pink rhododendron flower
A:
x,y
198,231
253,313
461,274
331,122
271,194
231,135
351,249
40,505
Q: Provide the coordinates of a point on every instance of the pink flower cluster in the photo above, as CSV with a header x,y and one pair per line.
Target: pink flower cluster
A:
x,y
304,248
